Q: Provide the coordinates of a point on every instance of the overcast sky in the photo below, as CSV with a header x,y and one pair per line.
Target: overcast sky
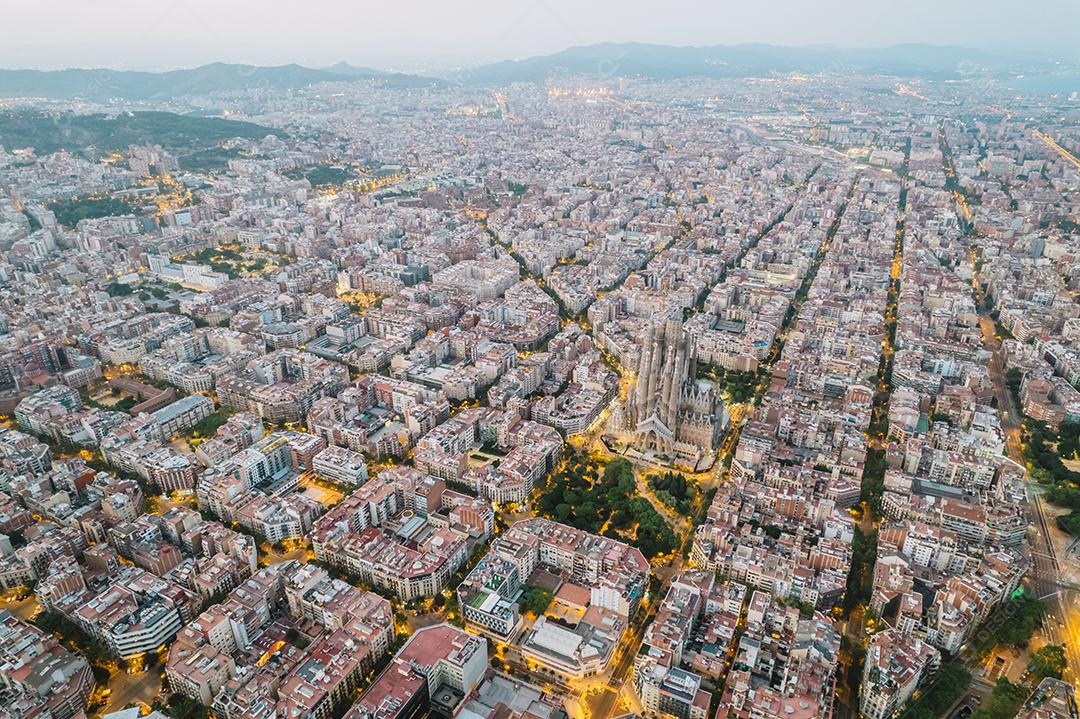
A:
x,y
409,34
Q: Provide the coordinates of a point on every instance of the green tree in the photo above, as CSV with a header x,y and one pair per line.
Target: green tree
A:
x,y
182,707
952,681
1004,701
588,517
1024,617
535,600
1050,661
1070,523
70,212
117,289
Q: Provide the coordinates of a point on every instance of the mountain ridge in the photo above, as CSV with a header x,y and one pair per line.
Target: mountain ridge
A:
x,y
749,60
99,84
599,60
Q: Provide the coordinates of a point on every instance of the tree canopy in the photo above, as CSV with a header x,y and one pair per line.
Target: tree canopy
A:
x,y
602,498
1050,661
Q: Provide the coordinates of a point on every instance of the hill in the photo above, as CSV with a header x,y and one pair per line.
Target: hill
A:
x,y
749,60
389,79
96,135
103,84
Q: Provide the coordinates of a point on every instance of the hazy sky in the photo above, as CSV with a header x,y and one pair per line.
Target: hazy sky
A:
x,y
156,34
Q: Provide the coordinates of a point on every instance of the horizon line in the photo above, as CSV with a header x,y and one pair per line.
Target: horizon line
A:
x,y
1004,53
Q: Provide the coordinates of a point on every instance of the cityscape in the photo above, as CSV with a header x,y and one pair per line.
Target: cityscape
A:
x,y
627,380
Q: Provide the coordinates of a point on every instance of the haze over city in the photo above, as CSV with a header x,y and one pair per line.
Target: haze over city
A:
x,y
546,360
156,35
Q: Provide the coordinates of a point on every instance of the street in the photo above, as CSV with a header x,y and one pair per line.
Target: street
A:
x,y
601,706
1061,622
138,688
1061,625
